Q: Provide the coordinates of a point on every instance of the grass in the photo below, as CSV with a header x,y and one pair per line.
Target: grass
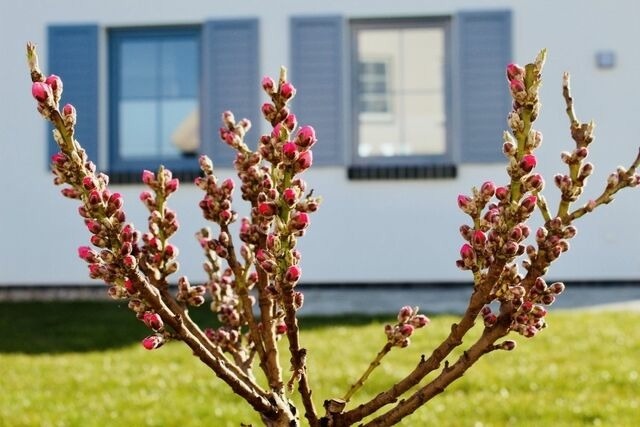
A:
x,y
80,364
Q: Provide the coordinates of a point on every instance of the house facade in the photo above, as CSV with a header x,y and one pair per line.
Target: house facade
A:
x,y
408,98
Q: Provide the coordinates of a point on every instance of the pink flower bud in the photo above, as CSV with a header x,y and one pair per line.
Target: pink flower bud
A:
x,y
420,321
466,204
148,177
153,320
268,110
299,221
86,253
56,85
479,239
281,328
152,342
293,274
516,85
467,253
502,193
291,122
267,209
529,203
287,90
488,189
171,251
557,288
69,110
172,185
514,71
304,162
42,92
406,329
535,182
405,314
130,261
528,162
268,84
290,151
290,196
490,320
306,137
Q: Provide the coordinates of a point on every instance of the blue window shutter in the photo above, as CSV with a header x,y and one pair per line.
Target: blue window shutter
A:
x,y
317,73
73,55
483,101
230,81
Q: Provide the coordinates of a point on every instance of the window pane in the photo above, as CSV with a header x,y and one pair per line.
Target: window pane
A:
x,y
179,68
157,105
401,92
139,69
180,131
137,134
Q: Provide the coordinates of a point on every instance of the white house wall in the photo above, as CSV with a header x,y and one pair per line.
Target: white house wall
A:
x,y
365,231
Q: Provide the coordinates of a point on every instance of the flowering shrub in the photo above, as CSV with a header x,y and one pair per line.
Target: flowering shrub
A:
x,y
265,270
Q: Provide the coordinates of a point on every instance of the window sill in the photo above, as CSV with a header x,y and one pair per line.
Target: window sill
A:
x,y
136,177
444,171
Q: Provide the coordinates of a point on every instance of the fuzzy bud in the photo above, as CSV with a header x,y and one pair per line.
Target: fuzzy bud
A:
x,y
528,162
293,274
152,342
287,91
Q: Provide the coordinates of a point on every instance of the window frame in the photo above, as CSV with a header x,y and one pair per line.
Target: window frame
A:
x,y
127,170
443,22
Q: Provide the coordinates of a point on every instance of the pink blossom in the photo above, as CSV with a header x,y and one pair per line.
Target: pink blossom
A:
x,y
281,328
130,261
267,209
268,84
277,131
152,342
299,221
69,110
289,196
516,85
406,329
529,203
268,109
528,162
153,320
488,189
291,122
467,252
172,185
228,185
55,83
405,314
304,162
148,177
59,159
41,92
86,253
306,137
420,321
287,90
514,71
293,274
290,150
479,239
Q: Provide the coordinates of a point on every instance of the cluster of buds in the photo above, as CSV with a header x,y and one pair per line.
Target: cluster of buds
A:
x,y
408,321
192,295
529,319
216,204
158,256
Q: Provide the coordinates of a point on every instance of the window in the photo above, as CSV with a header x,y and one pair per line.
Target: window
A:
x,y
154,76
400,91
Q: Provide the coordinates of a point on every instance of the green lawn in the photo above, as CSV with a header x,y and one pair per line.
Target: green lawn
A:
x,y
80,364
